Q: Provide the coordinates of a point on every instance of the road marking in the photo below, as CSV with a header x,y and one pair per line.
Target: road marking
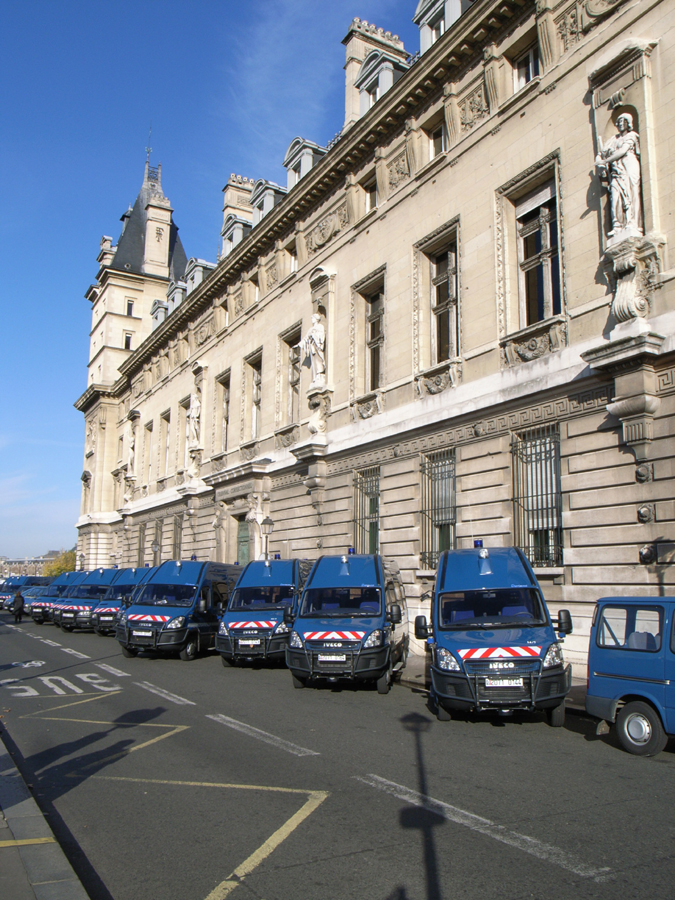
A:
x,y
546,852
207,784
277,742
33,664
28,841
112,670
89,699
57,684
166,695
75,653
50,643
226,887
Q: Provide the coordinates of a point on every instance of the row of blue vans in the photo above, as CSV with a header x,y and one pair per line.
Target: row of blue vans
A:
x,y
492,642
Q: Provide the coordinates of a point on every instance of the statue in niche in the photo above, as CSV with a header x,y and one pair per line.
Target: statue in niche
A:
x,y
194,420
619,164
313,345
130,441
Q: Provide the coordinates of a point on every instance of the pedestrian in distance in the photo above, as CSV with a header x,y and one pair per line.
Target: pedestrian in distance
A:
x,y
17,606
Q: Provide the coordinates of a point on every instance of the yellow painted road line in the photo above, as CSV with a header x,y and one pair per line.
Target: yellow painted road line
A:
x,y
97,696
160,737
226,887
207,784
27,842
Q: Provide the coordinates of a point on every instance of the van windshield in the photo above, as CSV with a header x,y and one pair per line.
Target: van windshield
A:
x,y
347,601
272,596
505,608
87,592
166,595
120,592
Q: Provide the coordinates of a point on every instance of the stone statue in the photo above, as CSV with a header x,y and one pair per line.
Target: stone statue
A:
x,y
194,420
130,438
619,163
313,345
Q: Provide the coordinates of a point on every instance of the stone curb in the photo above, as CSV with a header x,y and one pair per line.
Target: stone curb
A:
x,y
37,869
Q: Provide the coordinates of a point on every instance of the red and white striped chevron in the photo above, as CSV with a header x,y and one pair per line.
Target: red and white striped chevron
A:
x,y
251,625
74,608
334,635
499,652
144,617
100,609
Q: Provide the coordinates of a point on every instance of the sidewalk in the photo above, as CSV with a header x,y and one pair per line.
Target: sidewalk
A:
x,y
416,675
32,865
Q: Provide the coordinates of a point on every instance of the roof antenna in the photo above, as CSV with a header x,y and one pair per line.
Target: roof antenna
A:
x,y
148,149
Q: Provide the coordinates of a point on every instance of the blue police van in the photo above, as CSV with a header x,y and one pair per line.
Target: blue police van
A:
x,y
253,626
177,610
351,623
631,670
75,607
104,614
42,610
493,643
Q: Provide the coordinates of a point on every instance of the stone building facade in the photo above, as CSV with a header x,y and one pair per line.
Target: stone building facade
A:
x,y
456,322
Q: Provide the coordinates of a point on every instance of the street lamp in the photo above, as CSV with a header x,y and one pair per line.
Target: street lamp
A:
x,y
266,529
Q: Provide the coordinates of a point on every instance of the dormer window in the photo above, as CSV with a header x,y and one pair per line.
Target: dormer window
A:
x,y
373,94
380,70
301,157
437,28
265,197
434,18
525,68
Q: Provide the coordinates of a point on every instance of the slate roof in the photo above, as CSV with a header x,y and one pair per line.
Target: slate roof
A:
x,y
130,250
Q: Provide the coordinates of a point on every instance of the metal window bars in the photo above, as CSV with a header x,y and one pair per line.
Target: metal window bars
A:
x,y
537,497
438,510
367,510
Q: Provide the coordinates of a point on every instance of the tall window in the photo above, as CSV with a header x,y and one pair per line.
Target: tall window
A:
x,y
185,431
437,29
224,409
538,260
525,68
367,510
293,363
140,556
444,303
130,307
436,141
165,433
370,190
438,506
537,497
255,365
177,543
127,340
374,340
243,538
148,453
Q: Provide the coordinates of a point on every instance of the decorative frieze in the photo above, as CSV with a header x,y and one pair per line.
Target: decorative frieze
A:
x,y
249,451
398,169
327,228
533,342
367,406
473,108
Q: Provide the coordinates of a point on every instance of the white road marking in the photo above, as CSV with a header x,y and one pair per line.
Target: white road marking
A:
x,y
33,663
500,833
174,698
50,643
57,684
112,670
75,653
97,681
18,690
277,742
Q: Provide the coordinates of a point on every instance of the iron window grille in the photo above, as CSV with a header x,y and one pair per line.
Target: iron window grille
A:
x,y
367,510
177,537
438,506
537,500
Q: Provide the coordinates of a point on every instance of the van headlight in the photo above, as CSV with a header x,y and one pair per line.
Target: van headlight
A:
x,y
123,619
178,622
296,640
86,612
282,628
374,639
445,660
222,629
554,656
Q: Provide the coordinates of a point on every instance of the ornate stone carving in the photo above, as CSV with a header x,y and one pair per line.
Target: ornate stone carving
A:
x,y
368,406
319,403
313,345
644,473
439,379
271,275
238,302
569,27
473,108
204,331
619,165
633,266
327,228
646,513
286,437
533,342
398,169
249,451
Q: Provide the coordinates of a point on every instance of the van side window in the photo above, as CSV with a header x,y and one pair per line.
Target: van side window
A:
x,y
630,628
221,594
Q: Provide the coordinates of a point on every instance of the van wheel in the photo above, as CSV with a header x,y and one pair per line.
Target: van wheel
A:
x,y
639,729
298,682
556,715
384,682
128,652
189,651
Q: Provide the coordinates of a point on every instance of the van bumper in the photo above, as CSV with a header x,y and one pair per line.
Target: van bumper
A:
x,y
539,691
157,639
271,647
601,707
364,665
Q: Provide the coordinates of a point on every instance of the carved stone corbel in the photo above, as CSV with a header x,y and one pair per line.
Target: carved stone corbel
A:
x,y
319,403
637,418
632,268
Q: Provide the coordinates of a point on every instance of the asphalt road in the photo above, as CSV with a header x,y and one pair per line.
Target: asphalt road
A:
x,y
167,779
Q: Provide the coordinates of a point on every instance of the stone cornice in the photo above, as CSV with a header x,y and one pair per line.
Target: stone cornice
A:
x,y
460,47
94,393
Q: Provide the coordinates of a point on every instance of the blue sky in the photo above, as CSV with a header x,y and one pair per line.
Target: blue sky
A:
x,y
226,86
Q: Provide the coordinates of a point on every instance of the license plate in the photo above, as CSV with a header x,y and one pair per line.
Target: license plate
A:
x,y
67,615
249,642
142,633
106,619
332,657
503,682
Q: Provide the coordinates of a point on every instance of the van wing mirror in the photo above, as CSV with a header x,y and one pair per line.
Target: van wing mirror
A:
x,y
288,615
421,628
395,614
564,621
201,604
